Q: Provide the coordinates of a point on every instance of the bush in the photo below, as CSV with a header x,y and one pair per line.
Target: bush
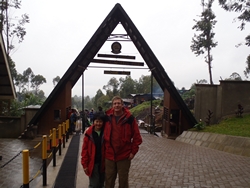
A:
x,y
200,126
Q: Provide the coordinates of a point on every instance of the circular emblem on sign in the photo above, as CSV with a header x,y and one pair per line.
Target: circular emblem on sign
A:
x,y
116,48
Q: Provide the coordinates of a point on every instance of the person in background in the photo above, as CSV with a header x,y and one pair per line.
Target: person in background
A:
x,y
100,109
73,118
69,113
122,139
93,152
91,115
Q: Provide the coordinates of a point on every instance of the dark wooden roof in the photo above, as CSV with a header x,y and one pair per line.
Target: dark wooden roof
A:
x,y
117,15
7,89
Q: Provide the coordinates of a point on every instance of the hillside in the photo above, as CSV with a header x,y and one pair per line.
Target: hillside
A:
x,y
142,112
235,126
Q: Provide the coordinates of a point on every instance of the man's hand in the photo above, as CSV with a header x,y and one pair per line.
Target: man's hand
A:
x,y
131,156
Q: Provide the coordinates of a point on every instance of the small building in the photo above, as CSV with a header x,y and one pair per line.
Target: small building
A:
x,y
141,97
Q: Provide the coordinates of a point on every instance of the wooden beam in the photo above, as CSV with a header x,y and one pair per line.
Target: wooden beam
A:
x,y
131,63
116,56
117,72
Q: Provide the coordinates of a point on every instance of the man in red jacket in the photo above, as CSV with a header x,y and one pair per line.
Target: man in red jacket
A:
x,y
122,139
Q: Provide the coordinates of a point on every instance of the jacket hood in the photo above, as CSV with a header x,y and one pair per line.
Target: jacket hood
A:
x,y
89,130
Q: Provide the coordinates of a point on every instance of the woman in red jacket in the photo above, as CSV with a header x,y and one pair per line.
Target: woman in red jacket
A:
x,y
93,152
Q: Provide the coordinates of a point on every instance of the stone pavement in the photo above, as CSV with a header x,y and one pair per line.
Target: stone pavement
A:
x,y
163,163
160,163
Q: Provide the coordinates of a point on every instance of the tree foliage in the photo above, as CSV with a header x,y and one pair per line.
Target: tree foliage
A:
x,y
247,70
234,76
204,42
27,79
122,87
202,81
112,87
56,80
88,102
144,84
188,96
37,81
103,102
243,8
76,102
17,106
27,76
98,95
12,27
127,86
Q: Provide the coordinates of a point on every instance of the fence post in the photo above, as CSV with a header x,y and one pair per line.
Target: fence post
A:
x,y
44,156
26,168
60,138
54,146
50,140
67,130
63,132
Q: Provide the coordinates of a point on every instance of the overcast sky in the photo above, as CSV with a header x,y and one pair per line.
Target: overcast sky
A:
x,y
60,29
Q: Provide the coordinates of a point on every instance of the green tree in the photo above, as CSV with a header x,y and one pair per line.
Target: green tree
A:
x,y
204,41
76,102
41,95
188,97
112,87
19,81
234,76
25,80
37,81
242,7
98,95
12,67
202,81
27,77
247,70
103,102
88,102
12,27
127,86
16,108
31,99
143,85
56,80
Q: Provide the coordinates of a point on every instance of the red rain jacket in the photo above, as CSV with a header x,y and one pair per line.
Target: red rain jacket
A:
x,y
129,135
88,152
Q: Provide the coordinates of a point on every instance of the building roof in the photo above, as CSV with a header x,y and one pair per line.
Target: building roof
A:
x,y
7,89
117,15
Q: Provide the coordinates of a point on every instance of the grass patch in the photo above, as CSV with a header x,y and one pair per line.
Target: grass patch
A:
x,y
235,126
145,105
